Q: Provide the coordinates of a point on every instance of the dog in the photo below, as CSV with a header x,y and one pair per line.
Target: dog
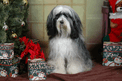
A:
x,y
68,53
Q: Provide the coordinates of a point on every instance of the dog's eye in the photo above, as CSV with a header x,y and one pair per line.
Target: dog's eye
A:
x,y
65,15
56,17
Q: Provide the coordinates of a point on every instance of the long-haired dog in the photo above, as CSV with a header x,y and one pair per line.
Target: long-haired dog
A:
x,y
68,53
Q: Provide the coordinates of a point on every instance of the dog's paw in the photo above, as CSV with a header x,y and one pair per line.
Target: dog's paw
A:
x,y
59,71
74,69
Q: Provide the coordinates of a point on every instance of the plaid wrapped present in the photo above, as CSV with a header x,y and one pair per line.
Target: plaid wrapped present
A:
x,y
49,69
112,54
37,69
9,67
6,50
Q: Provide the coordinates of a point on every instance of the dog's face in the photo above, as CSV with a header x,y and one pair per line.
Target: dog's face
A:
x,y
64,22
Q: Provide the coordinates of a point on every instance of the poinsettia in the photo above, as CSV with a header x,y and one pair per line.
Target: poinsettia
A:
x,y
33,49
24,39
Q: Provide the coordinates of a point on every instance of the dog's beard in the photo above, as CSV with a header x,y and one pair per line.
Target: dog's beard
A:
x,y
64,29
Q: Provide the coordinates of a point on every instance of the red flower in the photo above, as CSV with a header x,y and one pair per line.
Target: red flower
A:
x,y
32,54
26,61
24,39
32,48
22,55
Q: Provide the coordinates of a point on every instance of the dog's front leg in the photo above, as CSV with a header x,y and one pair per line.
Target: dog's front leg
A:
x,y
74,65
59,65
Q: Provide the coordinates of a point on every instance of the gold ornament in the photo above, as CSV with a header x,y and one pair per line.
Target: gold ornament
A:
x,y
14,35
5,2
25,2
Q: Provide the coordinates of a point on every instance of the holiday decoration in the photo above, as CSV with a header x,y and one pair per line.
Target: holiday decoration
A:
x,y
23,23
32,49
24,39
6,50
5,2
11,11
5,27
112,54
37,69
25,2
23,65
14,35
13,15
116,21
9,68
49,69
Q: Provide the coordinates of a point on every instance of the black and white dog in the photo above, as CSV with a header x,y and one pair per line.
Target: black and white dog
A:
x,y
68,53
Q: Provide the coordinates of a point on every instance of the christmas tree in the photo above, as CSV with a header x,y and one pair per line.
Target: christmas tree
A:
x,y
13,22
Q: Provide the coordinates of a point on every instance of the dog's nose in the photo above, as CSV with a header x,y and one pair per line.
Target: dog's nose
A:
x,y
62,22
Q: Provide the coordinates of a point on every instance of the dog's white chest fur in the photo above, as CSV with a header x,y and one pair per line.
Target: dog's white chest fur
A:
x,y
62,46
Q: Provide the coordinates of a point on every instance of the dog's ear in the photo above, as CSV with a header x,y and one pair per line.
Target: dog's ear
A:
x,y
77,25
49,22
51,29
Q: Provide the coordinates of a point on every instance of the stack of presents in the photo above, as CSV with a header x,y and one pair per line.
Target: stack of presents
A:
x,y
112,43
10,63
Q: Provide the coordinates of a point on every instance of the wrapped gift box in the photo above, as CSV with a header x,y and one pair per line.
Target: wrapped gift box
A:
x,y
9,67
6,50
37,69
49,69
112,54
